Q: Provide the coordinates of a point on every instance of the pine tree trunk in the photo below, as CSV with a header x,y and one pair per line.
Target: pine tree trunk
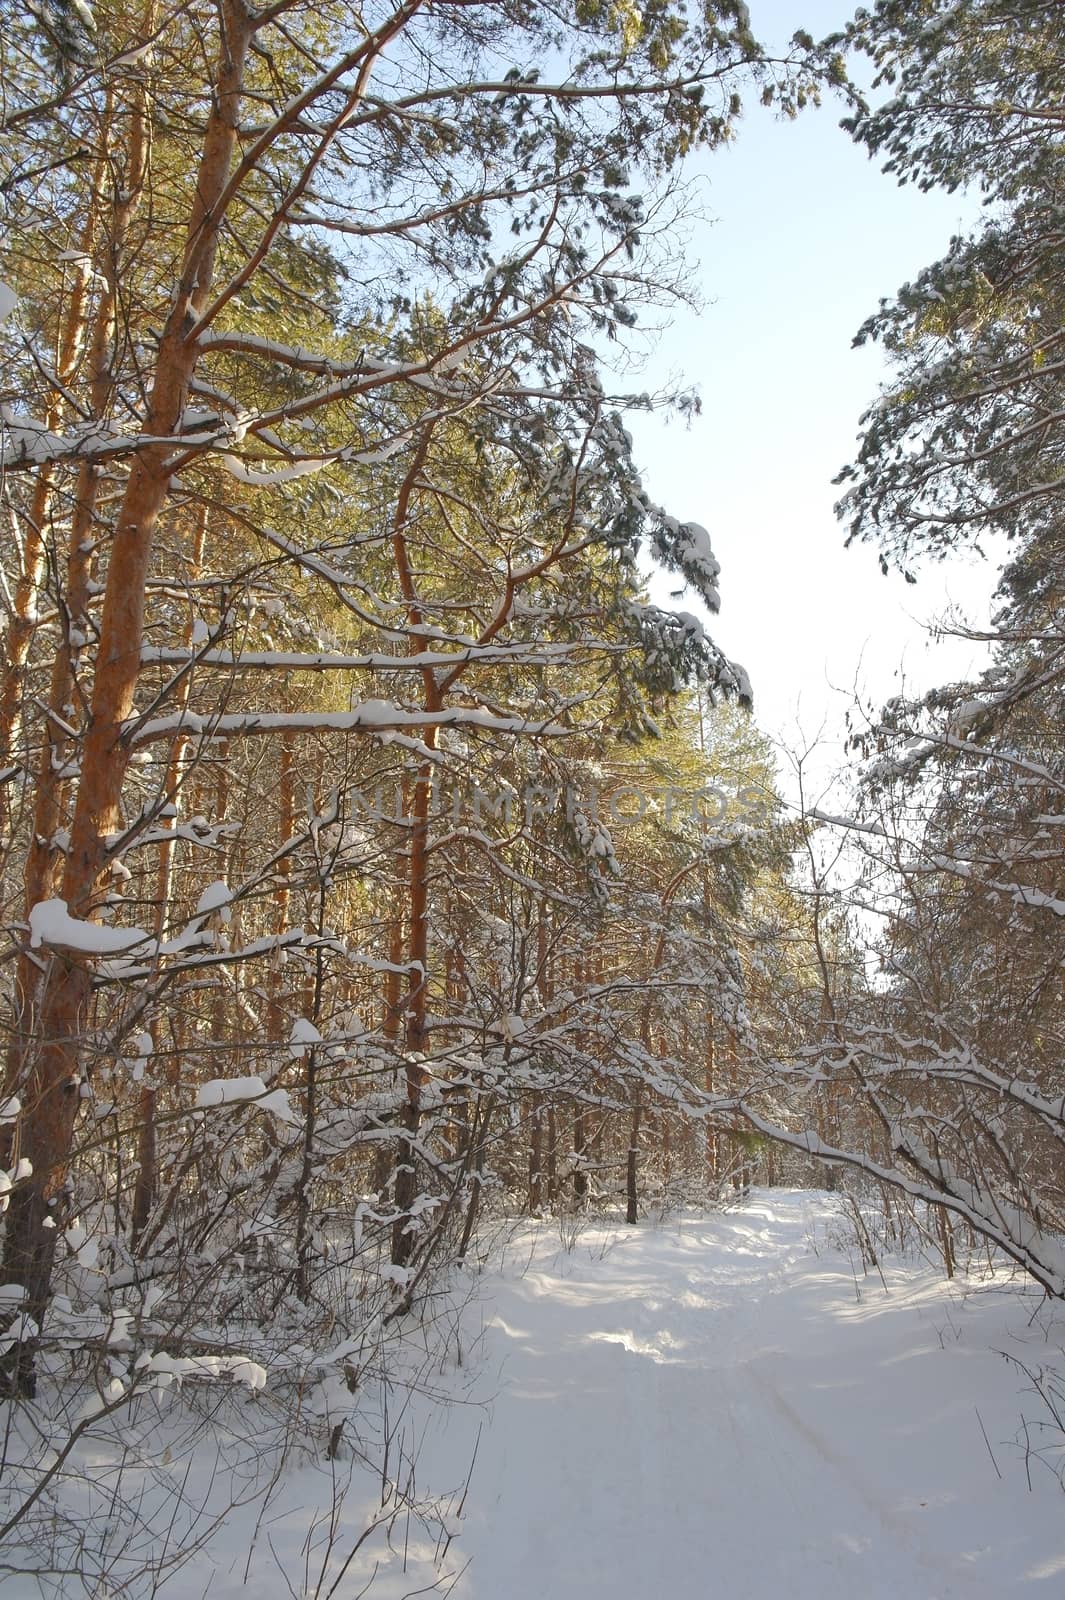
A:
x,y
43,858
304,1212
23,617
145,1183
580,1150
417,993
631,1194
48,1073
278,1021
536,1142
418,812
552,1156
710,1084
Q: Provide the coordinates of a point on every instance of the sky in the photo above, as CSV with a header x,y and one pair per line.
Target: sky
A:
x,y
805,235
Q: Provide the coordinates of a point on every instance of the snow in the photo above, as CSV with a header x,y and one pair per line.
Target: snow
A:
x,y
1026,895
260,480
535,654
52,924
713,1405
87,1250
236,1091
8,301
304,1034
381,716
694,549
815,814
20,1328
175,1368
215,898
25,440
728,1407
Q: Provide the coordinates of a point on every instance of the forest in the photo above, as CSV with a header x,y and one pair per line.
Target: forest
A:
x,y
392,861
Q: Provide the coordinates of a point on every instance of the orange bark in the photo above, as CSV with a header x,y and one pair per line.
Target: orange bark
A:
x,y
277,1014
23,620
145,1182
49,1070
418,890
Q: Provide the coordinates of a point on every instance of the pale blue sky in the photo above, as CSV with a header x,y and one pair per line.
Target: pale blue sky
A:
x,y
808,236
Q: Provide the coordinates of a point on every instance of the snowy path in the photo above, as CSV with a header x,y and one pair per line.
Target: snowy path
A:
x,y
709,1409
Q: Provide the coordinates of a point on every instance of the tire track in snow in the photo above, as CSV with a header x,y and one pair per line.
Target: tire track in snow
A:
x,y
647,1443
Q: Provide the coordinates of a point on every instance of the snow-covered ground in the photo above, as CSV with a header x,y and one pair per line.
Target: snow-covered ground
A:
x,y
714,1406
721,1407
